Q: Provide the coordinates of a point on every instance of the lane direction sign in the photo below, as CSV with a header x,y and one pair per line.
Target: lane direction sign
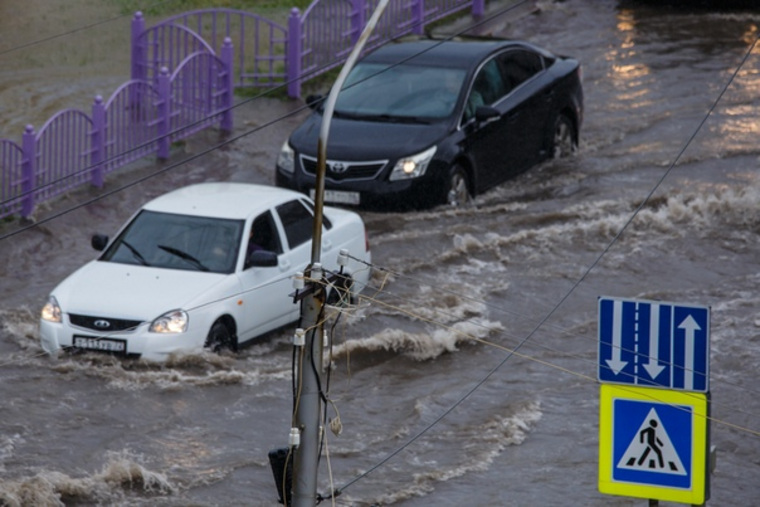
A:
x,y
655,344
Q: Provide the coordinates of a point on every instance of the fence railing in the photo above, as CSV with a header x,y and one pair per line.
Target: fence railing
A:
x,y
183,73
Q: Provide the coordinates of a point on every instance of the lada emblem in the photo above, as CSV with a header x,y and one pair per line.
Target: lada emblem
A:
x,y
102,324
338,167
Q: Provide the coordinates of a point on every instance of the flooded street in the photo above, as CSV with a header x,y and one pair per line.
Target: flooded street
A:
x,y
468,373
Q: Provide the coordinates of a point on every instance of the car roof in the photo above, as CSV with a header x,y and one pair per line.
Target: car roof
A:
x,y
221,199
456,53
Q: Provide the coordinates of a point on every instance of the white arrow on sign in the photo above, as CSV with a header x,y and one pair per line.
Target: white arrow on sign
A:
x,y
690,326
653,365
616,364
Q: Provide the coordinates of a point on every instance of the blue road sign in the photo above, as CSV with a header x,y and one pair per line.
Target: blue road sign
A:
x,y
654,344
652,443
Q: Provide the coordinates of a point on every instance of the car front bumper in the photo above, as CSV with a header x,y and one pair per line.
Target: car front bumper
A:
x,y
425,191
140,343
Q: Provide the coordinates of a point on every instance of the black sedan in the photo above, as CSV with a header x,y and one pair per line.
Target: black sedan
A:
x,y
427,122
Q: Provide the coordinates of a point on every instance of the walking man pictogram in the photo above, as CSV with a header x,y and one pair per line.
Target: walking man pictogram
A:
x,y
654,444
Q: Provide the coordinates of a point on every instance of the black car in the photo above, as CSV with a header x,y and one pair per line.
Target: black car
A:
x,y
427,122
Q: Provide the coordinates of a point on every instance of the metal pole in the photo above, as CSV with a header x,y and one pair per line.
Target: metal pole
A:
x,y
310,368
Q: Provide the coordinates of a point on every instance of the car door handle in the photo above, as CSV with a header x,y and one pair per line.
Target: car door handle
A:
x,y
284,265
326,244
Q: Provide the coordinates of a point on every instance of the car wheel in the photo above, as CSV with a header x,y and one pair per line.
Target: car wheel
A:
x,y
563,142
220,338
458,192
341,293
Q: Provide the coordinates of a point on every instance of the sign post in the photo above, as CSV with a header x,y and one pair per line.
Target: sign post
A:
x,y
654,400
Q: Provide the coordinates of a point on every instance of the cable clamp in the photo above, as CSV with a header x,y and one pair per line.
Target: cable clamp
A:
x,y
299,338
295,437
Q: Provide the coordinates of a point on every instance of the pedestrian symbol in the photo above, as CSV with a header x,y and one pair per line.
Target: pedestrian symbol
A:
x,y
652,450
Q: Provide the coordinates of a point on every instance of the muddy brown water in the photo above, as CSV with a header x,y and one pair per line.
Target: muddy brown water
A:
x,y
454,291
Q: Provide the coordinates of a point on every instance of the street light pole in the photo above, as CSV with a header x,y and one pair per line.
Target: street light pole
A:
x,y
308,403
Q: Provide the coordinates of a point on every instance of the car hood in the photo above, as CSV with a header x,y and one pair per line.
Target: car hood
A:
x,y
367,140
132,292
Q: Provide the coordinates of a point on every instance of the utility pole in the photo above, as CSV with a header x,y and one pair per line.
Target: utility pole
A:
x,y
307,408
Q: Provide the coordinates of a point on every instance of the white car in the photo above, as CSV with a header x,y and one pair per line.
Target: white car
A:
x,y
208,265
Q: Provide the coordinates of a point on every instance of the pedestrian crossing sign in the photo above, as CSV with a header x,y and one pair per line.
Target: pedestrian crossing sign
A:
x,y
653,443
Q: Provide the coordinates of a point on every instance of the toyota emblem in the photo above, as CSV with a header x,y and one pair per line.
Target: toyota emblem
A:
x,y
338,167
102,324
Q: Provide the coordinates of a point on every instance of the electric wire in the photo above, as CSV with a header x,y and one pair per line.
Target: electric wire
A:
x,y
575,285
561,301
76,30
239,104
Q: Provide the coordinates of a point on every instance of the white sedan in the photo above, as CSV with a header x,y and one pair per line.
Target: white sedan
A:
x,y
208,265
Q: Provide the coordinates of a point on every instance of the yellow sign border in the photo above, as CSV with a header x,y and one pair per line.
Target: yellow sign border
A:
x,y
698,466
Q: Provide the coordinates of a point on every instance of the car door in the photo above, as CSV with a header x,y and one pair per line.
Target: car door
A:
x,y
529,99
495,144
264,301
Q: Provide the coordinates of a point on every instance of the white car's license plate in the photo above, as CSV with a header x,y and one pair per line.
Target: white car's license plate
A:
x,y
339,196
104,344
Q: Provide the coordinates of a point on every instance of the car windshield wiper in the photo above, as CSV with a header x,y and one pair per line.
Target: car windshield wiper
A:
x,y
136,253
387,118
184,256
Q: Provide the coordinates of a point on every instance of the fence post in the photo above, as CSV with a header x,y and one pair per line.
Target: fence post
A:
x,y
97,141
227,56
138,58
478,8
164,113
357,20
295,42
28,170
418,15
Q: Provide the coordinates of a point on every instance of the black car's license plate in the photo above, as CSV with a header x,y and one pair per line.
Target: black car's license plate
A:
x,y
102,344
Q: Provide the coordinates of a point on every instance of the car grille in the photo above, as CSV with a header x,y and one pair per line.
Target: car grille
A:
x,y
345,171
102,324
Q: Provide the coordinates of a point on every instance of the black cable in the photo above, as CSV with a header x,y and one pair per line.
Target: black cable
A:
x,y
75,30
572,289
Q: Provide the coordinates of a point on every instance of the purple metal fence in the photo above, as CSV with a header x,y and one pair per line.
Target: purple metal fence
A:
x,y
183,74
261,44
11,178
139,119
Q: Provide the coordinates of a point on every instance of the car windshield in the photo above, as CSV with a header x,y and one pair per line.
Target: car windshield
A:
x,y
377,91
171,241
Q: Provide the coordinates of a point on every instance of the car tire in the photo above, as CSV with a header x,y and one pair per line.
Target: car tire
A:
x,y
220,338
563,138
457,187
341,293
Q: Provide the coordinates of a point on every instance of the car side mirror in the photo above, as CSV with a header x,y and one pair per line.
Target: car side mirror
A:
x,y
486,114
314,101
261,259
99,242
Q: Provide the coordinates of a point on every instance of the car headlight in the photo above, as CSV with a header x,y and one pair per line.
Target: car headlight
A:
x,y
286,158
174,321
413,166
51,312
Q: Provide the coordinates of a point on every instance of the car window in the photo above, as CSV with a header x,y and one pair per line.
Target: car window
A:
x,y
173,241
488,87
517,66
325,221
263,235
297,221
